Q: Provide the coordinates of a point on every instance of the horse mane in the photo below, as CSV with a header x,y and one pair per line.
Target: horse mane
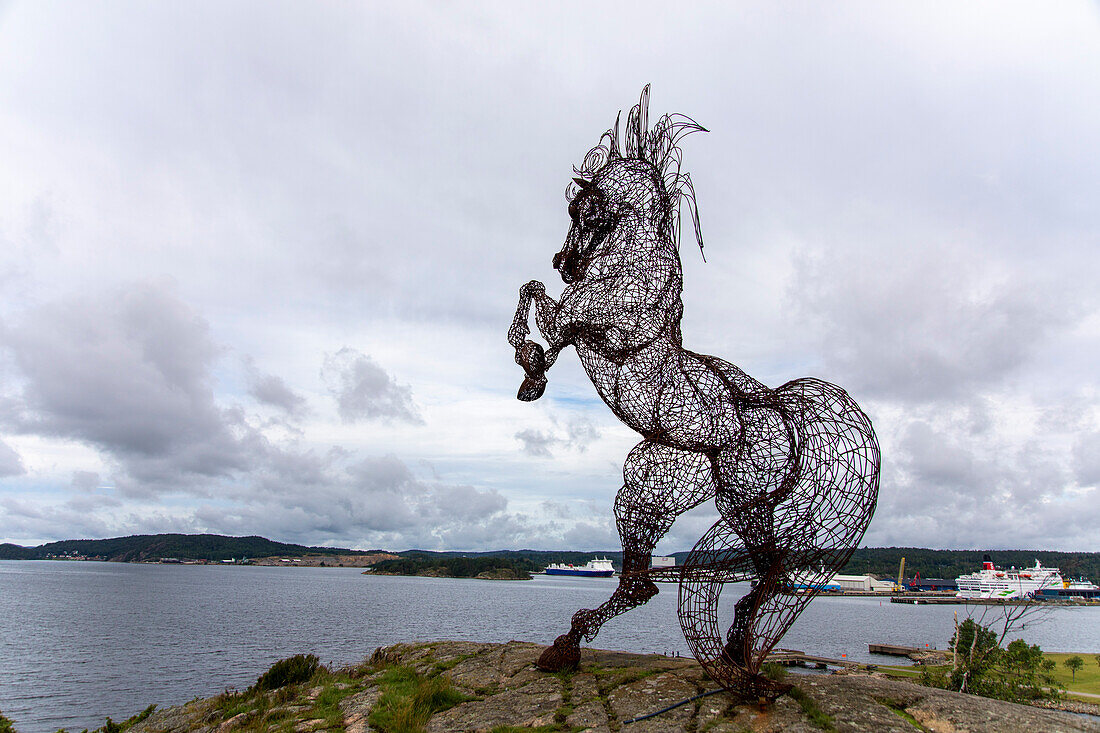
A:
x,y
658,147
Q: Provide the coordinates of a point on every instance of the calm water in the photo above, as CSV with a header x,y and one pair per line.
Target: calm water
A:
x,y
82,640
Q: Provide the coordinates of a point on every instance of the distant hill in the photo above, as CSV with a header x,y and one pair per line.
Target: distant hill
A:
x,y
880,561
950,564
136,548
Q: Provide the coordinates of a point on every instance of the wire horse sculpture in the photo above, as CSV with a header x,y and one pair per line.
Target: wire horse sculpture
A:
x,y
793,471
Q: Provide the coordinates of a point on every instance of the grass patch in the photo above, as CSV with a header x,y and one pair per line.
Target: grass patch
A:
x,y
899,670
608,678
816,715
1088,678
409,699
774,671
266,709
441,667
899,710
289,671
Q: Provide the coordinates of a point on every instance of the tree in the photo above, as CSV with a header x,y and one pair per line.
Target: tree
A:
x,y
1098,660
1074,663
975,649
982,666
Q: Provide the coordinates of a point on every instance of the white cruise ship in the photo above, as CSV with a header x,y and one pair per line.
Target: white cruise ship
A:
x,y
991,582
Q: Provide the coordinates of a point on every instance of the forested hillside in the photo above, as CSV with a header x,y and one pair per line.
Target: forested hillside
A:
x,y
153,547
880,561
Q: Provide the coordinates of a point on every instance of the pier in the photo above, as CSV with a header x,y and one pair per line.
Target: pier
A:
x,y
894,650
790,657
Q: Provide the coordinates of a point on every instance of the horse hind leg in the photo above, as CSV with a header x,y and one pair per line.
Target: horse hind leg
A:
x,y
659,484
719,558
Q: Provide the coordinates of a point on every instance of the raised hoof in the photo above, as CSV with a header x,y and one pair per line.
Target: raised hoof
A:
x,y
531,389
564,655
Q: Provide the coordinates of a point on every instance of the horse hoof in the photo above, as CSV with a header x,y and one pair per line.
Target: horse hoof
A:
x,y
564,655
763,687
531,389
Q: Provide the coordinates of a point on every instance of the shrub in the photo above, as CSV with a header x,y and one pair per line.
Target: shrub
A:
x,y
774,671
289,671
5,725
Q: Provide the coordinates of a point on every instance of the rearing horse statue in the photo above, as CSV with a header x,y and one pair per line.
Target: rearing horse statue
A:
x,y
793,471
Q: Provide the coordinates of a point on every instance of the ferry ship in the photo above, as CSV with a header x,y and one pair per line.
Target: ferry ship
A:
x,y
598,568
991,582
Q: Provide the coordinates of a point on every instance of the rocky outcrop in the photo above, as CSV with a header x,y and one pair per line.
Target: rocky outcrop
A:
x,y
498,685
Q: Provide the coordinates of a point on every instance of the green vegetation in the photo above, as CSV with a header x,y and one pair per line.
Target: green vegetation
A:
x,y
950,564
289,671
816,715
153,547
900,711
409,699
284,695
458,567
1089,681
1018,672
1074,665
5,725
774,671
880,561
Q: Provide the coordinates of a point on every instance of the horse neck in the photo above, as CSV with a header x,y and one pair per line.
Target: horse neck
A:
x,y
646,263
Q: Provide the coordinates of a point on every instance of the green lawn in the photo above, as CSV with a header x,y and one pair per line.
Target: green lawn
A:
x,y
899,670
1088,678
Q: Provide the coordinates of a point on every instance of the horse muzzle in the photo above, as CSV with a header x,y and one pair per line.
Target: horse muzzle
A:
x,y
569,264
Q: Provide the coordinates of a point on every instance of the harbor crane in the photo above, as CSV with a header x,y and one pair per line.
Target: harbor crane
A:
x,y
898,587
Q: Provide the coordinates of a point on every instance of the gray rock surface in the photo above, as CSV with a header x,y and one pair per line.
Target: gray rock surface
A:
x,y
504,689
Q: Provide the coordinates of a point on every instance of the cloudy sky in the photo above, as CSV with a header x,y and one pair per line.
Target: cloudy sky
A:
x,y
258,260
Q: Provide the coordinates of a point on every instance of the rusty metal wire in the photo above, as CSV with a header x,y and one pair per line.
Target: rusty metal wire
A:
x,y
793,471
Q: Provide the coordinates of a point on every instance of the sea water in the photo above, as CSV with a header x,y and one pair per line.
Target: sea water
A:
x,y
80,641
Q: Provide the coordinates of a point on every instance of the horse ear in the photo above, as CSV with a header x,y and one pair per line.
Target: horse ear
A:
x,y
583,183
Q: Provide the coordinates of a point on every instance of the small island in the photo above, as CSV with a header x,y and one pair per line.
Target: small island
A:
x,y
484,568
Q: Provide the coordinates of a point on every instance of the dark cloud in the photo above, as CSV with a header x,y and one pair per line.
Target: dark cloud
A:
x,y
272,390
10,462
371,501
129,373
84,481
536,442
578,434
365,391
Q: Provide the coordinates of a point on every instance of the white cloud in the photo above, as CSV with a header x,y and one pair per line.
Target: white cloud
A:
x,y
364,391
198,206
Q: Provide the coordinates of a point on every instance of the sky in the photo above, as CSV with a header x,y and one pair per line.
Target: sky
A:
x,y
258,259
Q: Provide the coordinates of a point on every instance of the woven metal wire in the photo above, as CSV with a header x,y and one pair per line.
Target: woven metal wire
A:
x,y
793,471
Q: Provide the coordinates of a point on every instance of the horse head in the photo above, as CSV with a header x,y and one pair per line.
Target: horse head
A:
x,y
628,190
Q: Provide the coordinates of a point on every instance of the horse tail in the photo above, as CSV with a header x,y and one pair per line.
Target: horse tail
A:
x,y
825,502
834,486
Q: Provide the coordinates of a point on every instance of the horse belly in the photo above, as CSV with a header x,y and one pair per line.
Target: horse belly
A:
x,y
697,414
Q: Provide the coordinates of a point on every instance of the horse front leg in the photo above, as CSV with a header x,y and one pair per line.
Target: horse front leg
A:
x,y
660,484
529,354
